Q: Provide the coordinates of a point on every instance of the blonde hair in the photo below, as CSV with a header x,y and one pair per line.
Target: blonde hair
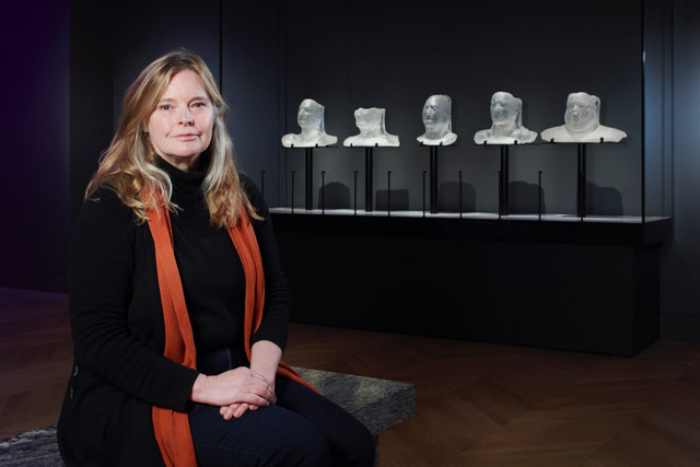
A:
x,y
129,165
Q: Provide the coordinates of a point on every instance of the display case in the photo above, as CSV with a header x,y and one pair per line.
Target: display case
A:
x,y
546,244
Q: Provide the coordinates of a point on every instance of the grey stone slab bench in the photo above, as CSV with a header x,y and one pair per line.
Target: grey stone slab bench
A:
x,y
378,403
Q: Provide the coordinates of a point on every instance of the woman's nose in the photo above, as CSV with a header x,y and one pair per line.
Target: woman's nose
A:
x,y
186,117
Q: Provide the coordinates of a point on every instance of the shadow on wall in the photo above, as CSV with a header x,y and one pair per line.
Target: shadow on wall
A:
x,y
334,195
603,200
524,198
449,198
398,199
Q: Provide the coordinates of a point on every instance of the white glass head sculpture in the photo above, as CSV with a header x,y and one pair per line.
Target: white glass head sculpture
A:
x,y
582,123
437,118
507,122
313,127
372,131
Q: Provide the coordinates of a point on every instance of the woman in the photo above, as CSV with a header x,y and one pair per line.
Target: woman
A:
x,y
179,309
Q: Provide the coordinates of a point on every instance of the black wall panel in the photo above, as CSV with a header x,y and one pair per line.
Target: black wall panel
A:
x,y
253,74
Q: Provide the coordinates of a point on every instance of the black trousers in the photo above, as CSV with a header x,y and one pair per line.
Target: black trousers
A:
x,y
302,429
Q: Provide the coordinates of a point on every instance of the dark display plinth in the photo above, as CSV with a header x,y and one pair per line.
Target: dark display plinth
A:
x,y
572,286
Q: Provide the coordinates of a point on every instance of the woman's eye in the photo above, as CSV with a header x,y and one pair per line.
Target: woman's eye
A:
x,y
165,107
200,104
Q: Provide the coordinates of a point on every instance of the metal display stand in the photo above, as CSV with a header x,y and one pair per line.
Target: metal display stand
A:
x,y
308,177
581,182
503,193
369,179
434,179
433,202
503,180
369,176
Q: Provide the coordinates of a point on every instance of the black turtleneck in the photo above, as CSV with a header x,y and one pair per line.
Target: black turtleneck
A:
x,y
114,287
212,275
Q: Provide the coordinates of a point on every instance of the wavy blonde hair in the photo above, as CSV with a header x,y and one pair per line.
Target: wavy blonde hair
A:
x,y
129,166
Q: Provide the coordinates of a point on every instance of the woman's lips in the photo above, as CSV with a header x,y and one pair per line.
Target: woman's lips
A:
x,y
187,136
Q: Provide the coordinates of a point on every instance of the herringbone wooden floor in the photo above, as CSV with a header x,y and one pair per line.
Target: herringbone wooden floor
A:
x,y
477,403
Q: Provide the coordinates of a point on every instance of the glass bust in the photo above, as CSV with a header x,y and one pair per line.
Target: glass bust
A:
x,y
507,122
437,118
313,127
372,130
582,123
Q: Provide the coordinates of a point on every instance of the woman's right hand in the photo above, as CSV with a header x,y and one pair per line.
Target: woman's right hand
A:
x,y
238,386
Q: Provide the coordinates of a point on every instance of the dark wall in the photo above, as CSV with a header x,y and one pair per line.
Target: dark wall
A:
x,y
253,77
680,268
91,85
143,31
396,54
243,59
34,181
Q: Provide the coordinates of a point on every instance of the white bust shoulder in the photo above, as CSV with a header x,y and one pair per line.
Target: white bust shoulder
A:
x,y
582,123
507,122
311,119
372,131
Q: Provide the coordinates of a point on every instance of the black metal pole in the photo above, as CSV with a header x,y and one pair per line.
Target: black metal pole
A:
x,y
461,210
500,195
388,193
323,192
424,172
293,174
369,179
503,204
309,189
539,195
433,179
355,191
581,196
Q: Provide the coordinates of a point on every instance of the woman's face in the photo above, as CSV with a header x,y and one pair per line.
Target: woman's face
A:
x,y
181,126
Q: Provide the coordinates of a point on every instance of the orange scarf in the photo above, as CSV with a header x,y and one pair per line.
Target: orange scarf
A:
x,y
171,428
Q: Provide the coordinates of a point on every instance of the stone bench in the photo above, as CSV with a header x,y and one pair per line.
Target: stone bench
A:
x,y
378,403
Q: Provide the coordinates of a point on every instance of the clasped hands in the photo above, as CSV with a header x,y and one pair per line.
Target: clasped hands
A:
x,y
235,391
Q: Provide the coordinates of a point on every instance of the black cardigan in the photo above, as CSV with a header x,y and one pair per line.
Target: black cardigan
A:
x,y
117,325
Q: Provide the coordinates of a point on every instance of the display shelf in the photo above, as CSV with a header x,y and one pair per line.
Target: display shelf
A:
x,y
548,228
586,284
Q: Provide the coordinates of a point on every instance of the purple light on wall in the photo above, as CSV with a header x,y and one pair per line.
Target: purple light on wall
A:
x,y
34,182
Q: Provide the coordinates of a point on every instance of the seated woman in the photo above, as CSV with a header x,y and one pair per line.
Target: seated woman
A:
x,y
437,118
507,118
372,130
179,309
582,123
313,127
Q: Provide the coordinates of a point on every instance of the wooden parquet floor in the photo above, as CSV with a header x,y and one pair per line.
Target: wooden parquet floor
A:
x,y
477,403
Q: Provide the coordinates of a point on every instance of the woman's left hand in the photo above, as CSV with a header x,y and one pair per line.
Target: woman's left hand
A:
x,y
265,359
237,410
